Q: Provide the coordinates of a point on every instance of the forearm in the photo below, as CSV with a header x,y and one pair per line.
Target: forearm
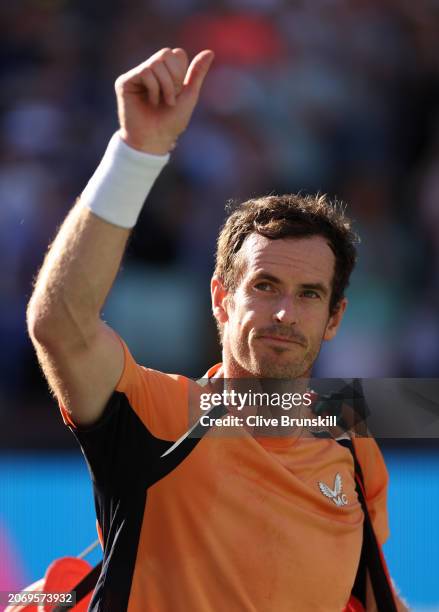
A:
x,y
83,261
76,277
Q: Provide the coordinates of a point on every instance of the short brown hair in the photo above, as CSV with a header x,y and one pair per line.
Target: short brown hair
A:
x,y
287,216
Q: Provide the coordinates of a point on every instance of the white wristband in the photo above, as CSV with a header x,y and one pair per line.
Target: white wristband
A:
x,y
117,190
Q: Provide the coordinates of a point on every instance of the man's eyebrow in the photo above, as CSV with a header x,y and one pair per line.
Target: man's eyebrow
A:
x,y
266,276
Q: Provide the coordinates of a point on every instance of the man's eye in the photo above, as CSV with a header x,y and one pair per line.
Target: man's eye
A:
x,y
309,293
264,286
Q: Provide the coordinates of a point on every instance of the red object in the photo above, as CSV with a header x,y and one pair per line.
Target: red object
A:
x,y
240,38
354,605
61,576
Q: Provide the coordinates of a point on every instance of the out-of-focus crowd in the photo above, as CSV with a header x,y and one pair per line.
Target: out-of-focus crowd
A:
x,y
337,96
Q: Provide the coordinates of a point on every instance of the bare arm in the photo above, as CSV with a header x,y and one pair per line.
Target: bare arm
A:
x,y
81,356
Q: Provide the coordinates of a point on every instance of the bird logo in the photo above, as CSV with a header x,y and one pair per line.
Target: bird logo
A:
x,y
335,494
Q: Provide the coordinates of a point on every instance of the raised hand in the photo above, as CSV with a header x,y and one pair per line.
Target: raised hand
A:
x,y
155,100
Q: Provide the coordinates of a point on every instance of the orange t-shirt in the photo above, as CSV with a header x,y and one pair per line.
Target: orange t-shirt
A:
x,y
240,525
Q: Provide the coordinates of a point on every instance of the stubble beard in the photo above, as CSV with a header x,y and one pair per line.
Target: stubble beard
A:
x,y
271,367
266,366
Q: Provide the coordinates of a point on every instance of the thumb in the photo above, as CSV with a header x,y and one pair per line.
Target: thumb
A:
x,y
197,71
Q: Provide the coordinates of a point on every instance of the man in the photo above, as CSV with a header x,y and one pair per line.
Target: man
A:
x,y
241,523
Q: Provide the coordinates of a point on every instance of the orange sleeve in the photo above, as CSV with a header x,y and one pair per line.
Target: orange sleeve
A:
x,y
159,399
376,480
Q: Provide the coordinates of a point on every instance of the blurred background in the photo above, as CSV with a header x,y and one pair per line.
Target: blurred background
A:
x,y
337,96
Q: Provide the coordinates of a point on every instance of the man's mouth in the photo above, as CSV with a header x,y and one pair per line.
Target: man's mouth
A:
x,y
282,340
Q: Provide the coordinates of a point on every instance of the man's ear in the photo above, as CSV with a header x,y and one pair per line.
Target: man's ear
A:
x,y
219,299
335,320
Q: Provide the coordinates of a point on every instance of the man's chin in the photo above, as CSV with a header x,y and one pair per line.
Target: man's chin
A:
x,y
285,371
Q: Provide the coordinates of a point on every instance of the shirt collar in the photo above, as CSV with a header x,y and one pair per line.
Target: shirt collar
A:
x,y
216,371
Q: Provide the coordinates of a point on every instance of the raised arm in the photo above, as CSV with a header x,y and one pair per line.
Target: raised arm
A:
x,y
81,356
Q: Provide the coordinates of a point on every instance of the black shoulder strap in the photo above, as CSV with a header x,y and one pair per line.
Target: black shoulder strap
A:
x,y
85,586
372,557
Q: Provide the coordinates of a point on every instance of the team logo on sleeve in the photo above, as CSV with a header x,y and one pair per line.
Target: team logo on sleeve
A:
x,y
334,494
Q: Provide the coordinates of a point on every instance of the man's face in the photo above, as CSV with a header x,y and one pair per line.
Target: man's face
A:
x,y
277,317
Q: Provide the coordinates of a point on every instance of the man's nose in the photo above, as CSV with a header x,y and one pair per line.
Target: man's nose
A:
x,y
286,311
